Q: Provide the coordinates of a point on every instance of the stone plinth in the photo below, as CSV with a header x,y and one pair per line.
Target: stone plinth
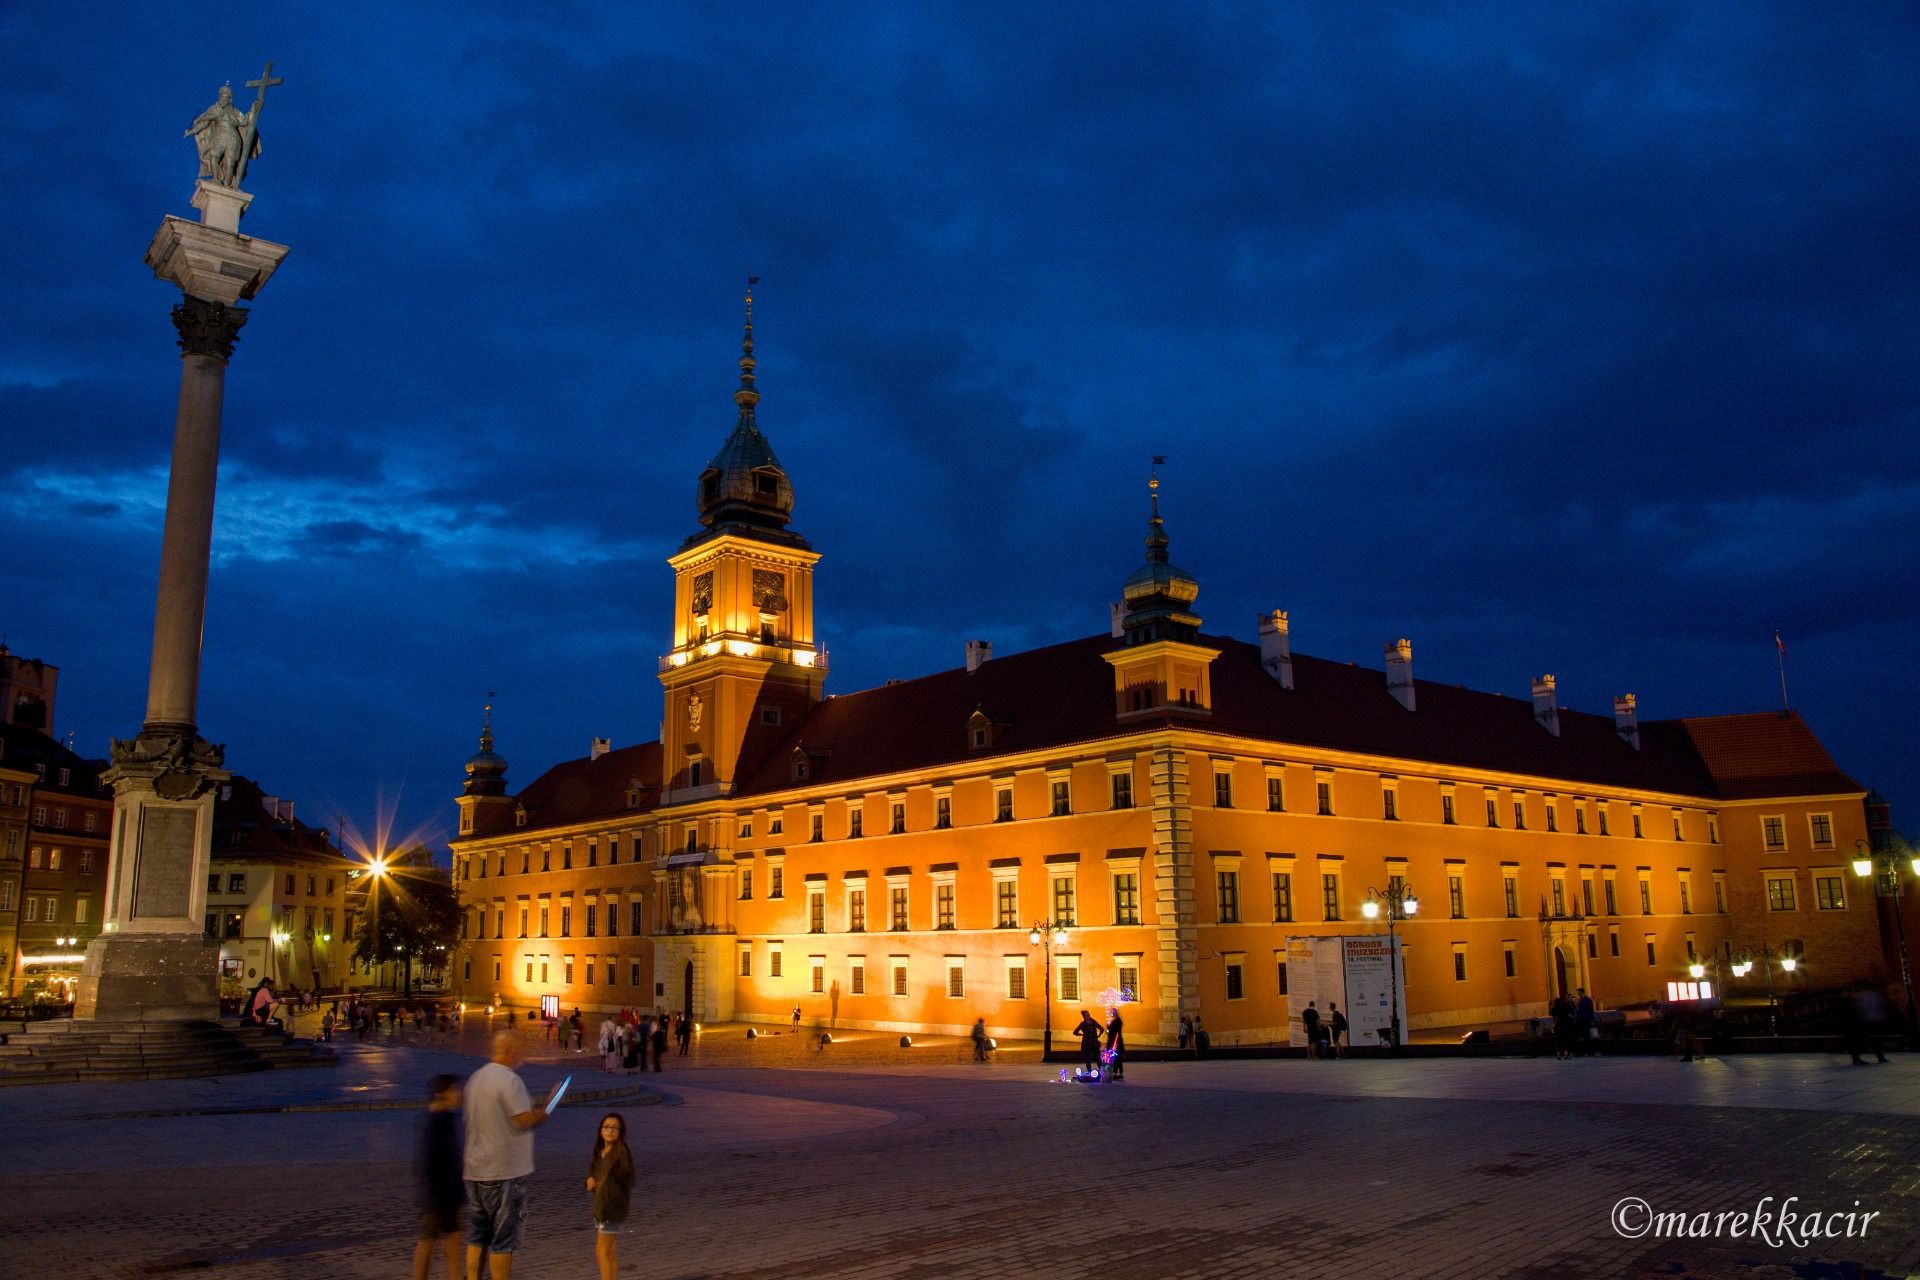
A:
x,y
210,262
220,207
155,962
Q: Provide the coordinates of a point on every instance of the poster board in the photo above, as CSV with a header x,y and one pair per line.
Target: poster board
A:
x,y
1360,974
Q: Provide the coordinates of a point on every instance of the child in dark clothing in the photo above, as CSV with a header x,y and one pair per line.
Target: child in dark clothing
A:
x,y
438,1175
610,1180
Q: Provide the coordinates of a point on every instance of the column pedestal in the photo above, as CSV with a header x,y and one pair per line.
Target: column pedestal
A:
x,y
155,962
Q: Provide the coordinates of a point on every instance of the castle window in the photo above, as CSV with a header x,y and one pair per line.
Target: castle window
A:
x,y
770,715
1062,799
943,812
1123,791
899,815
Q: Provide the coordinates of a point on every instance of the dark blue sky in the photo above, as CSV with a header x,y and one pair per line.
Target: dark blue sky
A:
x,y
1575,341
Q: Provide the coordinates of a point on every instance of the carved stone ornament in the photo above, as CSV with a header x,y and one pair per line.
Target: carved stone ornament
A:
x,y
703,592
182,767
694,706
208,328
769,591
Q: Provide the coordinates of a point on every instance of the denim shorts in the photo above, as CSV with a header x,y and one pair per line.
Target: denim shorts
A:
x,y
493,1222
608,1228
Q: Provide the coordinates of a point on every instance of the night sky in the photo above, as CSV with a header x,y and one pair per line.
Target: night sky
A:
x,y
1578,340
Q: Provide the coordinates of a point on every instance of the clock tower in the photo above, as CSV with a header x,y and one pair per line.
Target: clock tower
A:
x,y
744,667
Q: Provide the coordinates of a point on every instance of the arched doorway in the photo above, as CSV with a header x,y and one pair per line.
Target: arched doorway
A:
x,y
1560,969
686,992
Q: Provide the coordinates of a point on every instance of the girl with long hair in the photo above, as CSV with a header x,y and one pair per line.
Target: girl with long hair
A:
x,y
610,1180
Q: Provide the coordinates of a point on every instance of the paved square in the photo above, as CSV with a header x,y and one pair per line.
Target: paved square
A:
x,y
879,1162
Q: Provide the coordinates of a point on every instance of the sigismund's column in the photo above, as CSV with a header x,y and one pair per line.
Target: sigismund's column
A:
x,y
153,961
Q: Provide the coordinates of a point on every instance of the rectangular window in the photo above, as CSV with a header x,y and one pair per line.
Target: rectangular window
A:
x,y
746,962
523,922
1719,893
633,973
857,910
543,919
591,915
775,825
1324,791
1821,825
1236,982
1280,965
566,920
1646,897
1553,816
746,833
80,914
1686,898
1062,798
1638,833
1223,790
1559,896
1390,805
857,975
1282,896
1580,820
1063,901
1506,950
855,822
899,975
776,881
1650,952
817,828
1593,946
1069,979
1493,812
898,812
1006,894
589,963
1459,964
1228,887
956,978
1016,978
310,886
1330,894
1126,897
1606,887
1003,804
1446,808
746,883
897,896
637,917
943,905
53,864
566,971
236,882
1519,814
56,864
817,910
774,960
817,975
33,909
1129,971
1276,794
1511,887
1613,941
1780,893
1456,898
942,812
1123,790
1676,828
1602,814
1586,894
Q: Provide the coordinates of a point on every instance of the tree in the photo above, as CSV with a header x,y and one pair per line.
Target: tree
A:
x,y
415,912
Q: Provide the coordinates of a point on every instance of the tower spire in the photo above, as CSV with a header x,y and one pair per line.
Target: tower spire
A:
x,y
1156,527
747,397
486,729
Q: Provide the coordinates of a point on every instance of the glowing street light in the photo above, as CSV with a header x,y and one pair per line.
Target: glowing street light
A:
x,y
1887,885
1399,903
1048,936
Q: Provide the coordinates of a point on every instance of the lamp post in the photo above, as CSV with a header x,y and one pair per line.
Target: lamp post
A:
x,y
1744,966
1887,885
378,866
1047,937
1399,903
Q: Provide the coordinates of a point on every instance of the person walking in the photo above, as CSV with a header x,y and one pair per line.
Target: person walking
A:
x,y
609,1045
1202,1042
979,1039
1116,1045
796,1017
1561,1011
610,1181
659,1043
499,1158
1089,1033
1585,1023
440,1189
632,1055
1336,1030
1310,1020
684,1030
1186,1031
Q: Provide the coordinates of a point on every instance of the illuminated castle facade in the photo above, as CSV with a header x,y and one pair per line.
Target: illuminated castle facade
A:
x,y
1181,802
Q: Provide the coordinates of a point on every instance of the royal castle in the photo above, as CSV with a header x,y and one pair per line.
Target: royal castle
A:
x,y
1179,801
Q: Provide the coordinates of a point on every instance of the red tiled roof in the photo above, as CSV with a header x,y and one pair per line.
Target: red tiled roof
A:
x,y
1766,753
243,828
1063,694
584,789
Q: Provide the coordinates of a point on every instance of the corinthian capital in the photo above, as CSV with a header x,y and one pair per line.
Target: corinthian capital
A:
x,y
208,328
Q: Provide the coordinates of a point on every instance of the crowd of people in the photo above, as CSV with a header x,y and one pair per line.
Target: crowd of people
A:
x,y
629,1036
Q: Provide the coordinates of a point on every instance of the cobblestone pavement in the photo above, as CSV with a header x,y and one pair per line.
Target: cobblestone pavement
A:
x,y
875,1164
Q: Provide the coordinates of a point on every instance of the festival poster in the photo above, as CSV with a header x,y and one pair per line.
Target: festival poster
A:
x,y
1370,971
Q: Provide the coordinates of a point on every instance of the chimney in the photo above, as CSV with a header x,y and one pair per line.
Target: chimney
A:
x,y
1117,615
272,805
600,747
1400,671
287,812
1626,719
1276,650
978,651
1546,707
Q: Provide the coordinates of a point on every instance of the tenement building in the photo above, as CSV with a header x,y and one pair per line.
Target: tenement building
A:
x,y
1179,801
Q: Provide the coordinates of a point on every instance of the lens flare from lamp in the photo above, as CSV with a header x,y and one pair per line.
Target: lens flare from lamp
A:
x,y
1370,908
1789,964
1863,867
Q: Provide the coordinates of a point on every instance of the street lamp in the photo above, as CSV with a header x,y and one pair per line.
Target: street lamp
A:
x,y
1047,936
1744,965
378,866
1399,903
1887,885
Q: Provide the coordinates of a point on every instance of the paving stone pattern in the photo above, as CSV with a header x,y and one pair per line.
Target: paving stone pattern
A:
x,y
875,1165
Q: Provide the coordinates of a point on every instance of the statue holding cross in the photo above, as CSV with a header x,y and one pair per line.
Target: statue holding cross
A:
x,y
229,138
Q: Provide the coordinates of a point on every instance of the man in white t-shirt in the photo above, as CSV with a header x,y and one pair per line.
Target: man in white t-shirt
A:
x,y
499,1158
